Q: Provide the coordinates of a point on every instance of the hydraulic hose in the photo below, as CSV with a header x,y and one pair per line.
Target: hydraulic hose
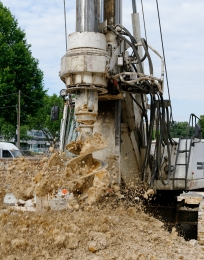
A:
x,y
157,145
136,103
152,116
144,44
168,125
130,43
169,166
133,40
163,132
145,115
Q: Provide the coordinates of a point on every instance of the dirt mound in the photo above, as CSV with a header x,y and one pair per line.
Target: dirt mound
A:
x,y
98,223
108,230
19,176
2,189
79,175
114,228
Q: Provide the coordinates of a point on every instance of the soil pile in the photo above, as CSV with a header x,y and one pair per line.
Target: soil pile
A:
x,y
2,188
19,176
106,231
99,223
81,175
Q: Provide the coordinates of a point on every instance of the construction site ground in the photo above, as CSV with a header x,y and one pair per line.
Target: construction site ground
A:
x,y
114,228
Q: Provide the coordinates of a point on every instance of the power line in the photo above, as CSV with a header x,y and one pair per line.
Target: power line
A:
x,y
7,107
25,96
35,100
32,98
8,95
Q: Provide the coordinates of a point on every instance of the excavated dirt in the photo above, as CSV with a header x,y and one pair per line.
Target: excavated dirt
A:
x,y
89,145
99,223
19,177
82,175
108,230
2,189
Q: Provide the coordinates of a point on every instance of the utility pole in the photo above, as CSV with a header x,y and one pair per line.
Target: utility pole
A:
x,y
19,119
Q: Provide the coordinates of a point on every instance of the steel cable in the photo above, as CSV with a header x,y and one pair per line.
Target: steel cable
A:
x,y
144,20
167,81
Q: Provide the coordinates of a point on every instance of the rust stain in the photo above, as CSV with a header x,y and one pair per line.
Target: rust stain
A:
x,y
109,10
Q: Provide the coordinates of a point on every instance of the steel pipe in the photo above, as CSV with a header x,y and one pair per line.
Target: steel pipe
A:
x,y
134,6
86,16
101,11
113,9
118,12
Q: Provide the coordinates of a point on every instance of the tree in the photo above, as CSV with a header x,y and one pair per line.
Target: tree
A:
x,y
42,121
18,70
202,124
181,130
8,131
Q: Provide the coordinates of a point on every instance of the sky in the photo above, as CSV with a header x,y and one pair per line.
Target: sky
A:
x,y
182,23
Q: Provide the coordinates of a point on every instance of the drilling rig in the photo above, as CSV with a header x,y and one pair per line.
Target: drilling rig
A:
x,y
108,92
110,86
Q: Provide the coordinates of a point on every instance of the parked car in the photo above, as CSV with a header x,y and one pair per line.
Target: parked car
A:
x,y
8,150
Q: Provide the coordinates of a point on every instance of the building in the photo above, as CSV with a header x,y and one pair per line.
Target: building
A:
x,y
37,142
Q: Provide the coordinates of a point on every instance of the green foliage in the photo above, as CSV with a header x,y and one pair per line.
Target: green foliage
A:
x,y
24,135
8,131
42,121
181,130
18,70
202,124
155,134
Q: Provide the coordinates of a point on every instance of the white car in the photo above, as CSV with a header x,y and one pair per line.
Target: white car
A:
x,y
8,150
